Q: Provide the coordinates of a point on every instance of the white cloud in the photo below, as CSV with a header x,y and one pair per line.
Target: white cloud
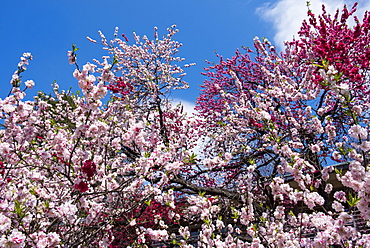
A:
x,y
286,16
188,106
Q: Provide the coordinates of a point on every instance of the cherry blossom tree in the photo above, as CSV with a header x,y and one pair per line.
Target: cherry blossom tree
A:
x,y
272,116
73,168
117,165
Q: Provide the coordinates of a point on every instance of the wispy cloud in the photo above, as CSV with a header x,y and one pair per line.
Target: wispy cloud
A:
x,y
286,16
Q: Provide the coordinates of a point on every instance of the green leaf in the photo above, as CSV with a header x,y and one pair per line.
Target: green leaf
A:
x,y
33,192
325,63
69,99
339,172
221,123
206,221
74,48
235,214
192,157
255,227
115,60
317,65
353,200
338,76
19,209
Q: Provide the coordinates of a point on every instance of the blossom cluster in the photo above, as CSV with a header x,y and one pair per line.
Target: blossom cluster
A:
x,y
293,116
78,170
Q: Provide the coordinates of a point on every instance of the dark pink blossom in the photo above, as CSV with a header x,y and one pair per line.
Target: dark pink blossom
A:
x,y
89,168
82,187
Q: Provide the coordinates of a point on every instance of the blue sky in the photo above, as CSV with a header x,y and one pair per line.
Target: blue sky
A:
x,y
48,28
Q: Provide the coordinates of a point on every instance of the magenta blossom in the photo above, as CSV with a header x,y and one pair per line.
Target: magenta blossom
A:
x,y
89,168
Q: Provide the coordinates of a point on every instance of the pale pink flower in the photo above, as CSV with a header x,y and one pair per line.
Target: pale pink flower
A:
x,y
5,223
220,224
68,211
286,151
313,198
358,132
264,115
45,240
71,57
340,196
357,109
342,89
184,232
8,108
19,95
15,79
337,206
365,146
158,235
100,91
315,148
27,55
328,188
228,156
116,143
321,111
29,84
88,67
107,76
90,79
279,212
79,75
93,129
336,155
251,168
16,238
133,222
90,39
